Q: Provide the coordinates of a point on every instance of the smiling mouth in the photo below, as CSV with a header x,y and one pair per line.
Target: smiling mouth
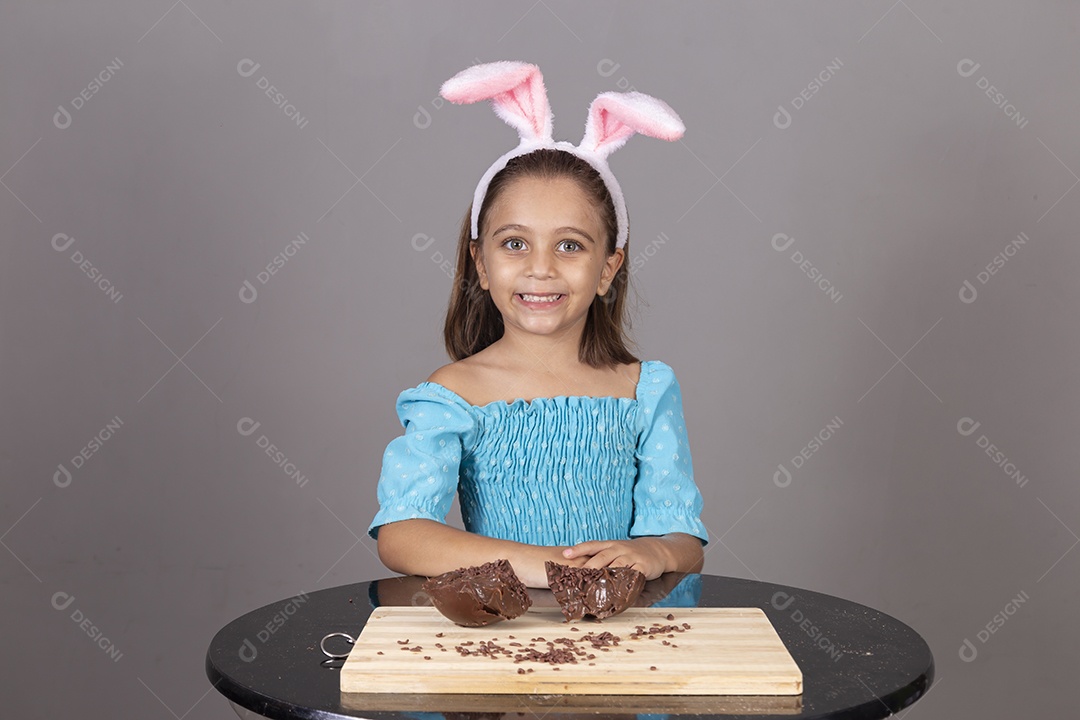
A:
x,y
540,298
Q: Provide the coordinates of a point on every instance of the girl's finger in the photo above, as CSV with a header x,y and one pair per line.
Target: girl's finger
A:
x,y
590,547
602,559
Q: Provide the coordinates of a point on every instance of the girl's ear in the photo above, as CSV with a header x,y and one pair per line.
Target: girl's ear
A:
x,y
516,91
611,268
478,262
614,117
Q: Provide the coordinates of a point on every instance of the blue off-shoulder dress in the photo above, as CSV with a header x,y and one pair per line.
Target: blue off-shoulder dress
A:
x,y
551,471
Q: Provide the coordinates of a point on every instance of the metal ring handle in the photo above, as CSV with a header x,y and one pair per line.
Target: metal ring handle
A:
x,y
348,637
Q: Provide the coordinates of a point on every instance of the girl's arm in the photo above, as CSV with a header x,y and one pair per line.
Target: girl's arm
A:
x,y
427,547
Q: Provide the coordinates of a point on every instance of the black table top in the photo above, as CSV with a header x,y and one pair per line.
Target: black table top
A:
x,y
857,663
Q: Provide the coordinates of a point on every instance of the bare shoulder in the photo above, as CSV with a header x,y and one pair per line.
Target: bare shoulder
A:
x,y
632,371
447,374
628,378
480,379
617,381
459,377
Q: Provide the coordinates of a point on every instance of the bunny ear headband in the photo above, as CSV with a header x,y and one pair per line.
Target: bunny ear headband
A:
x,y
517,93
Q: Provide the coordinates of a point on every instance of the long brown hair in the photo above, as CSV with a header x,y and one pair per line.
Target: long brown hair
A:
x,y
473,322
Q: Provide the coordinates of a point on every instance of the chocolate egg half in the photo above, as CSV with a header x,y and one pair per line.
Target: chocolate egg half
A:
x,y
479,595
599,592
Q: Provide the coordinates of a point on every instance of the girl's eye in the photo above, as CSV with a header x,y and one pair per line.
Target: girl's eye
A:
x,y
513,240
575,243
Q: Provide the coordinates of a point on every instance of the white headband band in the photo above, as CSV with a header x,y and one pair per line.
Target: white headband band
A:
x,y
518,96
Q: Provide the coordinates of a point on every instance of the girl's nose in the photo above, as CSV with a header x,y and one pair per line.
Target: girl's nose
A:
x,y
541,264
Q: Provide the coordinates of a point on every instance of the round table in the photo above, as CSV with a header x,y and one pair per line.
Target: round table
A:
x,y
857,663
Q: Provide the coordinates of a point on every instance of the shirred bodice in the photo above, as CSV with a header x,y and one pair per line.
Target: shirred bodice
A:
x,y
550,471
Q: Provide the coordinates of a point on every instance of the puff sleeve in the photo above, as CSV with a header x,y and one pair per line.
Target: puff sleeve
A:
x,y
420,468
666,499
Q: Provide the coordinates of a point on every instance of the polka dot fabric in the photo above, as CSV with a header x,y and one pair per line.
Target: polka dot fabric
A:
x,y
551,471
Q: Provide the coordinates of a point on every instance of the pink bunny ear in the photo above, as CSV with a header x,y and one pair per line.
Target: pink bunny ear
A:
x,y
516,91
614,117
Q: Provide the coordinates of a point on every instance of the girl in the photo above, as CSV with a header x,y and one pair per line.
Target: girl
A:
x,y
562,445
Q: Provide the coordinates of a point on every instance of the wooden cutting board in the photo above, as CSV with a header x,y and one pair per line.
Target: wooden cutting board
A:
x,y
725,651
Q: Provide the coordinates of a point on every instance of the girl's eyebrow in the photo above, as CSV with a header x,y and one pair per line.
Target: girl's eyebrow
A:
x,y
510,226
567,228
576,231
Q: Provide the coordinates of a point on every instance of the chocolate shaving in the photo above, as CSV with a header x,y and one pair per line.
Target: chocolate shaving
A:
x,y
558,651
655,630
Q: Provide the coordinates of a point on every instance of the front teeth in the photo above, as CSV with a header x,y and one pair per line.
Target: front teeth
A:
x,y
541,298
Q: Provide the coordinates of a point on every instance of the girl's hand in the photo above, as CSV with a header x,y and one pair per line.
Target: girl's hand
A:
x,y
650,555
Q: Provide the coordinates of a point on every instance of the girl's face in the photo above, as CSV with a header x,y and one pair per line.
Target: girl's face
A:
x,y
544,237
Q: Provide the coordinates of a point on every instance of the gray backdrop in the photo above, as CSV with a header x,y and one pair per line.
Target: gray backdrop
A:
x,y
858,262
